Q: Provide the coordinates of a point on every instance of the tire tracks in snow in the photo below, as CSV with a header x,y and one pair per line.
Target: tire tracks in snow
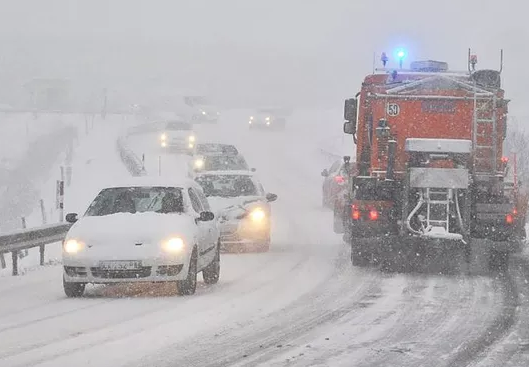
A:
x,y
144,319
511,344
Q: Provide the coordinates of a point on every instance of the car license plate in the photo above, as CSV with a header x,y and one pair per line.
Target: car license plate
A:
x,y
120,265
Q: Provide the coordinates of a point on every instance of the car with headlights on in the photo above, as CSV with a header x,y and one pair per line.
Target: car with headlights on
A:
x,y
145,230
218,157
271,118
242,207
178,137
203,111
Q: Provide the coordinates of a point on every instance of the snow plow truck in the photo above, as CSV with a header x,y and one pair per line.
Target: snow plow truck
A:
x,y
430,170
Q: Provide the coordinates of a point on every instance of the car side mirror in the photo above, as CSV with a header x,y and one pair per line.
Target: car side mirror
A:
x,y
206,216
71,217
349,127
325,173
271,197
350,109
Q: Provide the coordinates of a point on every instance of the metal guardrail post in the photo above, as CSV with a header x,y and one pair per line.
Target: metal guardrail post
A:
x,y
14,257
41,254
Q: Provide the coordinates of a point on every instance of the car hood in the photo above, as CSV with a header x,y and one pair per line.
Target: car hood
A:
x,y
179,133
127,227
231,207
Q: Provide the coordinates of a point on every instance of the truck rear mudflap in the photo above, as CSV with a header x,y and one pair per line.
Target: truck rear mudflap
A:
x,y
407,253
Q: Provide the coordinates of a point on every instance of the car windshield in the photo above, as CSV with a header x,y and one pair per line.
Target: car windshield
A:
x,y
227,185
178,126
224,163
137,200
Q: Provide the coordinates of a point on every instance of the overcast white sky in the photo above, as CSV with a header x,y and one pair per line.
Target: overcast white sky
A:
x,y
319,49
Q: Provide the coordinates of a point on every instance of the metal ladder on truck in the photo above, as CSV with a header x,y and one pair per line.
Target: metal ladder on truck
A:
x,y
438,208
485,133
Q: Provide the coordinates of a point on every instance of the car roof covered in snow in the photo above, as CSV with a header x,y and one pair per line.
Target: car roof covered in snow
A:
x,y
226,173
152,181
216,149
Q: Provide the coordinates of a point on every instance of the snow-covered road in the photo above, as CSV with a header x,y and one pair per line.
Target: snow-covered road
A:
x,y
301,304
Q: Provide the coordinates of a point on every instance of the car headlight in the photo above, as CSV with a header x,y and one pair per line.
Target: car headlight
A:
x,y
204,112
251,117
163,137
268,119
199,163
250,122
191,138
72,246
257,215
164,144
175,245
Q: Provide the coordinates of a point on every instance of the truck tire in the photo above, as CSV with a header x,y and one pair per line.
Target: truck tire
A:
x,y
499,261
359,258
338,221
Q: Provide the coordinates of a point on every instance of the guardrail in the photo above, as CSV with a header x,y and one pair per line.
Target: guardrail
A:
x,y
41,236
129,158
29,238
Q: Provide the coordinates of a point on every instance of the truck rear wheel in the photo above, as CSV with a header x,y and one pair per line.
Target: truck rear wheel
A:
x,y
359,258
499,260
338,220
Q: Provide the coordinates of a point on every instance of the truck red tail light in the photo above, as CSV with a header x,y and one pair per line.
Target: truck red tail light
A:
x,y
339,179
355,213
373,214
509,219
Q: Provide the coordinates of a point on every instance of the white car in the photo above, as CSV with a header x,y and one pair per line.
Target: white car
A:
x,y
143,231
218,157
268,119
202,111
179,137
241,205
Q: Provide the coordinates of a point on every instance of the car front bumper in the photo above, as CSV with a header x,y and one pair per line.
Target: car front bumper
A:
x,y
151,270
244,232
177,146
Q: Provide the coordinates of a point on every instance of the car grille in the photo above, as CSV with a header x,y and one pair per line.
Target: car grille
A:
x,y
76,271
143,272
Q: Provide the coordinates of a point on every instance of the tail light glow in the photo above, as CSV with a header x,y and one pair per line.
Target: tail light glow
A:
x,y
355,213
339,179
509,219
373,214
